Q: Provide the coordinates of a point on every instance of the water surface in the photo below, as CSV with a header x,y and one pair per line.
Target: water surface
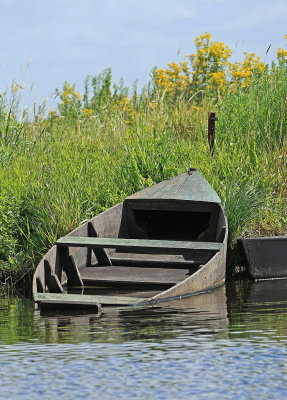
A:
x,y
230,344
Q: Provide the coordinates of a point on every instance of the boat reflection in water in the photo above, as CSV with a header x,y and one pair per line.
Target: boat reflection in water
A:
x,y
203,313
258,309
238,311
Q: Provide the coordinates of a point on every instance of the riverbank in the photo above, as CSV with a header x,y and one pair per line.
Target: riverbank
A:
x,y
58,171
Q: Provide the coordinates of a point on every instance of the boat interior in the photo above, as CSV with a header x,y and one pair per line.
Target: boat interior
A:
x,y
141,245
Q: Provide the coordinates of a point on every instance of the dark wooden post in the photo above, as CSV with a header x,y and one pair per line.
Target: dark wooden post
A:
x,y
211,130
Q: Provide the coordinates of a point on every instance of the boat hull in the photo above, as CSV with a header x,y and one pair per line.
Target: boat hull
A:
x,y
195,230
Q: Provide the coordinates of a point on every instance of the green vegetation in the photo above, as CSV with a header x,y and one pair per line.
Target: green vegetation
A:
x,y
94,150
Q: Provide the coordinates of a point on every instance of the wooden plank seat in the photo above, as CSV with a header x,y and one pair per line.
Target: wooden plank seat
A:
x,y
139,245
74,300
133,276
151,260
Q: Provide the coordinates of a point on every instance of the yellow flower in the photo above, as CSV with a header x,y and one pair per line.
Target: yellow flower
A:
x,y
173,79
282,55
87,112
52,114
209,63
244,70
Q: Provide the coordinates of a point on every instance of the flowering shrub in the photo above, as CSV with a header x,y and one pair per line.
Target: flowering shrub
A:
x,y
209,63
87,112
208,70
125,107
243,71
282,55
71,101
174,80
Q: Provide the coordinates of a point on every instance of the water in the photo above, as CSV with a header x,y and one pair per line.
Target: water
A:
x,y
228,344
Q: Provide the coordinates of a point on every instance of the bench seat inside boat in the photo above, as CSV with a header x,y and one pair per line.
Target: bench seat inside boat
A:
x,y
150,260
124,275
138,245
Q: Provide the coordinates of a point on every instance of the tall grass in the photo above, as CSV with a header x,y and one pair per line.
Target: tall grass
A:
x,y
56,172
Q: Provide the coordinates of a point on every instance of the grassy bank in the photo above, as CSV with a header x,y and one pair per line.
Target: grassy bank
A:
x,y
92,152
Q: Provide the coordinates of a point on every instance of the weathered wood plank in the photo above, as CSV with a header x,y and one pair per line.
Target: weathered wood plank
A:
x,y
190,186
165,246
40,286
122,275
69,266
51,279
150,261
85,299
100,253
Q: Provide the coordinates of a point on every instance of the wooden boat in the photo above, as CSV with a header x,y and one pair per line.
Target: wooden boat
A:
x,y
266,256
165,242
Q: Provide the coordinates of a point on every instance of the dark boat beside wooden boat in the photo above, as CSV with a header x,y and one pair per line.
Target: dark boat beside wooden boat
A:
x,y
266,256
165,242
